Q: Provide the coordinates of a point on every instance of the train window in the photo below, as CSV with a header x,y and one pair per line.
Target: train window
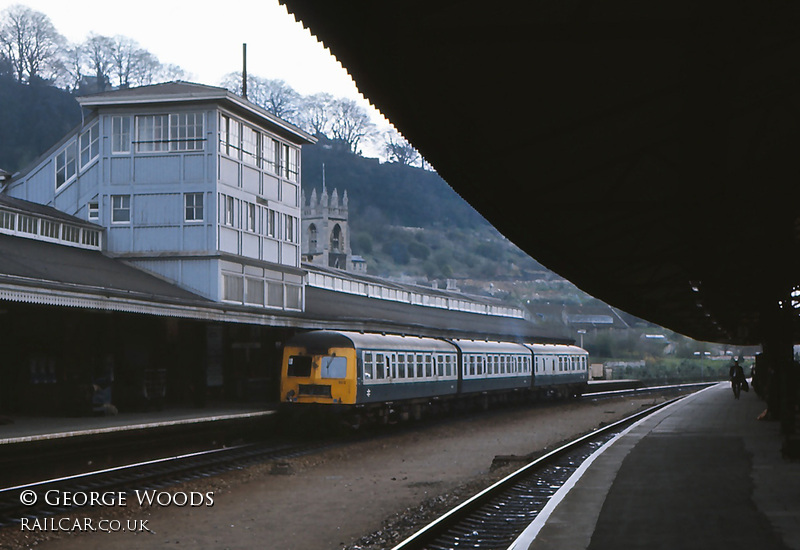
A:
x,y
503,364
439,365
428,366
333,367
367,365
299,366
420,366
380,366
401,365
448,367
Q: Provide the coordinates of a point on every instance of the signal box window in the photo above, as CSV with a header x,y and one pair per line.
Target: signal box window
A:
x,y
193,207
120,208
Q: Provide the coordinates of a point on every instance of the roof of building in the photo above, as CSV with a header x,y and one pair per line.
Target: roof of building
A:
x,y
372,279
45,265
21,205
38,272
590,319
366,313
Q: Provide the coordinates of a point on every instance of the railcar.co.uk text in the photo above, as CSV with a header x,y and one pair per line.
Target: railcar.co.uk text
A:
x,y
81,499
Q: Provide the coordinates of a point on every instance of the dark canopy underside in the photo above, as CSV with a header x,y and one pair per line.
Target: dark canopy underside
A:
x,y
636,148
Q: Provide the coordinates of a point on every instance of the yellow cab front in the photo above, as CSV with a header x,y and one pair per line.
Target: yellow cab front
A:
x,y
324,379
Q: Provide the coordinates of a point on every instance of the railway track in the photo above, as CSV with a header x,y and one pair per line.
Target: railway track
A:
x,y
17,502
164,472
496,517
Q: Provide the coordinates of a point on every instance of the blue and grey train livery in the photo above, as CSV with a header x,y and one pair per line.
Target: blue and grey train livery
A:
x,y
379,373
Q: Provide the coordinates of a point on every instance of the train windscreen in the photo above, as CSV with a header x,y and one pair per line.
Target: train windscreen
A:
x,y
333,367
299,366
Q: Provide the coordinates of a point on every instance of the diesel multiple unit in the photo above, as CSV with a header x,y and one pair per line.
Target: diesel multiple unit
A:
x,y
378,374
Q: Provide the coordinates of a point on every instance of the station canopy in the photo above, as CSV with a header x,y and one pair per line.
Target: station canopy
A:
x,y
649,152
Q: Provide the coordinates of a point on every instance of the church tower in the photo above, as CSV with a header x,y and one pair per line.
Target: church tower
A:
x,y
326,235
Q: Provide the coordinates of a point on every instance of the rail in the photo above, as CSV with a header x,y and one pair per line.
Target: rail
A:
x,y
495,517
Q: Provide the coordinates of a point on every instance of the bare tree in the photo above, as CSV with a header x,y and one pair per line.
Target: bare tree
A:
x,y
276,96
168,72
341,120
351,124
98,52
30,42
316,114
397,149
72,70
125,53
6,66
233,83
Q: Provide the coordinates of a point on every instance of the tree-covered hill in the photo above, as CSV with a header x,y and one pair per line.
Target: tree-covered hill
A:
x,y
32,118
405,195
409,223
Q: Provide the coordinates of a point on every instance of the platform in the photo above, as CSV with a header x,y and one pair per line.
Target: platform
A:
x,y
702,473
41,428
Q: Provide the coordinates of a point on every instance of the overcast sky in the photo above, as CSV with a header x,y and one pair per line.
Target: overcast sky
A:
x,y
207,42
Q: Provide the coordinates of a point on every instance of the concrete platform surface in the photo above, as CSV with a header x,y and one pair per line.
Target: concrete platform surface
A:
x,y
702,473
35,428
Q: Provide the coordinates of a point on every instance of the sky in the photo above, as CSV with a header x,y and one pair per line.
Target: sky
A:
x,y
207,43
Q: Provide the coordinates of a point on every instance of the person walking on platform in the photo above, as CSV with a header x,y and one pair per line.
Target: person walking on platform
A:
x,y
737,378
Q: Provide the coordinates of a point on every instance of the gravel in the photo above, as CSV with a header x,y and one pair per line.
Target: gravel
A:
x,y
364,495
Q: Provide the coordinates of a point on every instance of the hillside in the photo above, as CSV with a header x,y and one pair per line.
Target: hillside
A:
x,y
409,224
32,119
